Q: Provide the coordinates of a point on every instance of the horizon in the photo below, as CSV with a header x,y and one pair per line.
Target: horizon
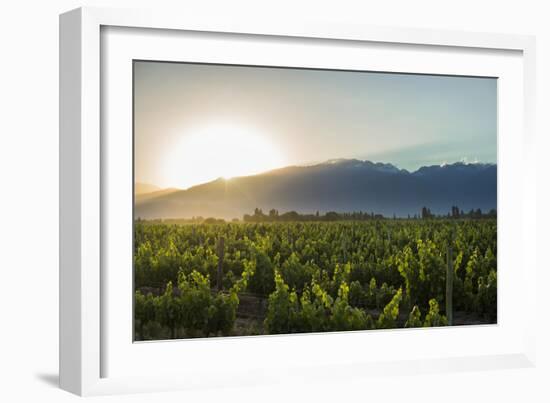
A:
x,y
194,123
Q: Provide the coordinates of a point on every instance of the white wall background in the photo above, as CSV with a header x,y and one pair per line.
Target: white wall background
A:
x,y
29,196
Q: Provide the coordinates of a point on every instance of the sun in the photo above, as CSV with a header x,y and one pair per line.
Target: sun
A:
x,y
219,151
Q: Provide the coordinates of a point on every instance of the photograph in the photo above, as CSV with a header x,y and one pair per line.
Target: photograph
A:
x,y
281,200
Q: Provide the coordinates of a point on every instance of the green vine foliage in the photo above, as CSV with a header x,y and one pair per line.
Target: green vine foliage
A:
x,y
433,317
192,309
388,317
278,319
309,276
145,311
345,317
414,319
314,311
486,298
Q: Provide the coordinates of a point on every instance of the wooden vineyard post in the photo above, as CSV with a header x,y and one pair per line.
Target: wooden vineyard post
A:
x,y
449,287
344,249
220,262
289,237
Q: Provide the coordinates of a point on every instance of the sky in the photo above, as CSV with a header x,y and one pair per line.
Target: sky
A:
x,y
194,122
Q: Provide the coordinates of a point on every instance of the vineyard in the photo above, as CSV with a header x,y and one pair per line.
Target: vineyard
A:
x,y
234,279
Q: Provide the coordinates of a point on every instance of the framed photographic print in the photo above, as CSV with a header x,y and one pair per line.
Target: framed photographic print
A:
x,y
258,225
241,198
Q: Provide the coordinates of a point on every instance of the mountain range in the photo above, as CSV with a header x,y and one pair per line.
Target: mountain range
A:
x,y
341,185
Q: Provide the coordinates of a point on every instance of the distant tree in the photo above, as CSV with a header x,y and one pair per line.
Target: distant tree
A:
x,y
332,216
426,213
258,216
290,216
212,220
455,212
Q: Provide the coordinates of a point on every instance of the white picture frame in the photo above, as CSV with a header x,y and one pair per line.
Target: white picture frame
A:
x,y
88,332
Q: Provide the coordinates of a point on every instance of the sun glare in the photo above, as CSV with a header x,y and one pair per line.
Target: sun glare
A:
x,y
220,151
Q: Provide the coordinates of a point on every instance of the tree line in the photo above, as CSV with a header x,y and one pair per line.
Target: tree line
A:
x,y
292,216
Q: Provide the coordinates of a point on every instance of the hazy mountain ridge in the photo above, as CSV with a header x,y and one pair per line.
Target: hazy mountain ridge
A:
x,y
144,188
341,185
143,196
